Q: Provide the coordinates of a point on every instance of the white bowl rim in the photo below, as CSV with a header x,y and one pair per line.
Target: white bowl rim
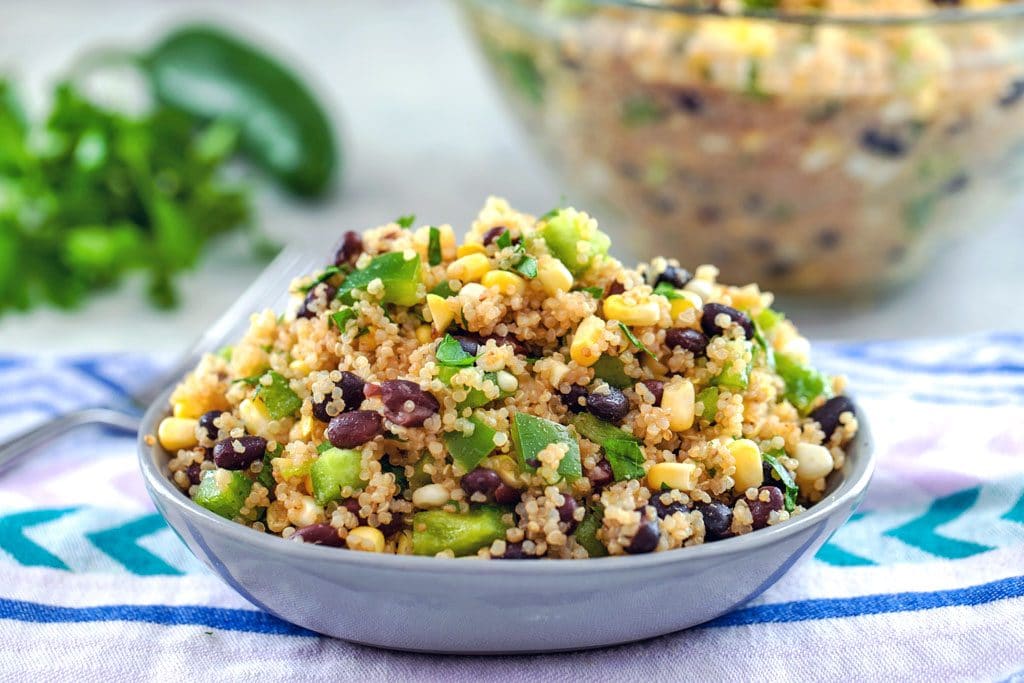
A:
x,y
860,468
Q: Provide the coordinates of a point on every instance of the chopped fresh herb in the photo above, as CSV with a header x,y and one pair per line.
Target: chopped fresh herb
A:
x,y
434,247
791,490
406,221
451,354
531,435
324,446
527,267
551,214
586,532
596,292
325,275
668,291
766,348
803,383
504,239
341,317
597,430
626,458
278,396
443,290
634,341
641,110
251,380
611,370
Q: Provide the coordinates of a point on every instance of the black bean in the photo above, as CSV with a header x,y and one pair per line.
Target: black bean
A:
x,y
656,387
506,495
206,423
493,234
352,393
353,506
760,509
566,511
646,538
827,414
480,480
614,288
600,475
350,248
685,338
469,345
514,551
396,393
396,524
709,214
349,430
664,510
253,448
883,144
1013,94
829,238
318,534
717,520
194,472
611,406
318,298
689,101
572,399
712,311
675,276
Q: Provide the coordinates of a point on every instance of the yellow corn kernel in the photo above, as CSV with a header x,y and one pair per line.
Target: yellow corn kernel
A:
x,y
469,268
747,457
584,349
675,475
678,400
505,282
448,247
423,333
557,371
440,312
814,462
403,546
306,427
176,433
553,275
254,416
634,315
366,539
300,366
469,248
686,301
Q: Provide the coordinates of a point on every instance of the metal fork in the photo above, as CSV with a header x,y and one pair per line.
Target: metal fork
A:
x,y
269,289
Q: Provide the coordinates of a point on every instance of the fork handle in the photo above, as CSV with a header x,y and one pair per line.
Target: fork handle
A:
x,y
15,448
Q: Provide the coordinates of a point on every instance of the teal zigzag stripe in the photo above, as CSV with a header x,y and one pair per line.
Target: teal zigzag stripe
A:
x,y
21,548
830,553
120,543
920,532
1016,513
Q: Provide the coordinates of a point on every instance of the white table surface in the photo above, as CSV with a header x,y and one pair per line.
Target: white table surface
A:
x,y
425,132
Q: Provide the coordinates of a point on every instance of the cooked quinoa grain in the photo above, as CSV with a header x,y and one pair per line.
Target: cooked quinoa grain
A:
x,y
418,410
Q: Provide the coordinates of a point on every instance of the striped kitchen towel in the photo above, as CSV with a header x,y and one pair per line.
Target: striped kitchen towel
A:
x,y
925,582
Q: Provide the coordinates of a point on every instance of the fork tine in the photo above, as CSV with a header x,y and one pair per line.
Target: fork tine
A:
x,y
269,286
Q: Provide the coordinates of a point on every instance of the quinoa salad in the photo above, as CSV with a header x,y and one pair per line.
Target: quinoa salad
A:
x,y
518,395
829,155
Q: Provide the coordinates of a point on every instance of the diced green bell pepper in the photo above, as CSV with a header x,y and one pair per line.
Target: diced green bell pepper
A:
x,y
610,369
707,400
462,533
531,435
803,383
227,501
335,469
586,532
563,233
278,396
468,451
732,378
768,318
401,278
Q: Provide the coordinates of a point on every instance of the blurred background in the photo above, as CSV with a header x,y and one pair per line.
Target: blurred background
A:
x,y
423,128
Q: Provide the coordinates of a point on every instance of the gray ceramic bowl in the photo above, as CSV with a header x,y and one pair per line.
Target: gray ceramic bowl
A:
x,y
472,606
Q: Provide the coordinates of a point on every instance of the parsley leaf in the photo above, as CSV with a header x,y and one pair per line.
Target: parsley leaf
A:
x,y
406,221
324,446
596,292
324,276
443,289
634,341
341,317
791,490
451,354
434,247
668,291
504,239
527,267
626,458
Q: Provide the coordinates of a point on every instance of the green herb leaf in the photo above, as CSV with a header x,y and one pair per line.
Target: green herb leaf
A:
x,y
668,291
251,380
278,396
596,292
504,239
611,370
443,290
434,247
634,341
626,458
791,490
527,267
324,446
325,275
641,110
451,354
341,317
406,221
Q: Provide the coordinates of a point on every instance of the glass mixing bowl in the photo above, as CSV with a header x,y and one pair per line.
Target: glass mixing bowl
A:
x,y
814,154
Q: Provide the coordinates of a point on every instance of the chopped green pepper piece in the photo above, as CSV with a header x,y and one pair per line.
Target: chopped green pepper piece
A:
x,y
707,399
598,430
504,239
468,451
462,533
278,396
563,234
586,532
732,378
768,319
401,278
626,458
791,491
419,474
610,369
335,469
803,383
531,435
227,501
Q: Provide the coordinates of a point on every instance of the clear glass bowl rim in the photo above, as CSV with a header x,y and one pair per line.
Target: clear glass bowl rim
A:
x,y
936,18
